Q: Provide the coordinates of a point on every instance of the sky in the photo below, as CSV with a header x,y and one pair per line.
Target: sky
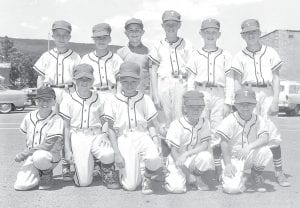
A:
x,y
32,19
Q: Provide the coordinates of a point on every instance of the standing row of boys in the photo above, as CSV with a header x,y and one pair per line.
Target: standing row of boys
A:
x,y
104,118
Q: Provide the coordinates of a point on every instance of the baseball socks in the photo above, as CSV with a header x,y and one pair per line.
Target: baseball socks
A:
x,y
280,177
110,176
146,182
258,180
201,179
46,179
217,161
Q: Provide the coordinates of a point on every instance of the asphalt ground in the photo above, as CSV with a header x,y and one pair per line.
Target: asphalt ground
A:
x,y
65,194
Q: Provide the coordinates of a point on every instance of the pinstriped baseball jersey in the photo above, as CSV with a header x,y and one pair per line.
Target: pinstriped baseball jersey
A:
x,y
210,67
38,130
239,132
182,134
82,112
130,113
106,68
171,57
256,68
57,68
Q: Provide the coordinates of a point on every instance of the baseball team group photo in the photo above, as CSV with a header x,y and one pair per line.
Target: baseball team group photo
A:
x,y
166,119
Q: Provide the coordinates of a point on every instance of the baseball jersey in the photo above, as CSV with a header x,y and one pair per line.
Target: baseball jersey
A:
x,y
183,135
129,113
256,67
171,57
105,68
57,68
239,132
210,67
82,112
38,130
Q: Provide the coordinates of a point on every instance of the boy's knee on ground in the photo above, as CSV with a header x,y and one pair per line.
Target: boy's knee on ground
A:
x,y
175,183
204,161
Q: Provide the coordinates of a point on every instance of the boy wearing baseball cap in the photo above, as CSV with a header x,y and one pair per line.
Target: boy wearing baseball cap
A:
x,y
44,141
136,51
132,124
258,66
82,111
188,138
244,138
168,74
105,63
209,67
55,68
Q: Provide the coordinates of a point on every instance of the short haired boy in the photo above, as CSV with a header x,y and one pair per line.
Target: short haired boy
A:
x,y
188,138
133,122
82,111
244,138
44,133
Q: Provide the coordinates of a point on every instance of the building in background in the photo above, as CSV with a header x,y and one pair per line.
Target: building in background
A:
x,y
287,44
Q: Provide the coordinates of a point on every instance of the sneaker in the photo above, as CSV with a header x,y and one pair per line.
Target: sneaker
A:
x,y
281,179
46,180
146,186
66,172
110,177
200,183
258,182
96,170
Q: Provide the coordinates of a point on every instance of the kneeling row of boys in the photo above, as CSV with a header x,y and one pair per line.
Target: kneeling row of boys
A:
x,y
121,132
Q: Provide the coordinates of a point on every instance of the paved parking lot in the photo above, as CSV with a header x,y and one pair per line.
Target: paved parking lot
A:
x,y
67,195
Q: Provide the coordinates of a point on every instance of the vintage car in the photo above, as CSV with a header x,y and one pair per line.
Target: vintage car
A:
x,y
13,99
289,97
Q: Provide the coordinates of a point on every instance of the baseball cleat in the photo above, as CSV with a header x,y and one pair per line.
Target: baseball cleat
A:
x,y
201,186
146,186
281,179
258,182
66,172
46,180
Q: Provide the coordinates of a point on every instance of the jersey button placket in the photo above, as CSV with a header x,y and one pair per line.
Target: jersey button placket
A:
x,y
102,72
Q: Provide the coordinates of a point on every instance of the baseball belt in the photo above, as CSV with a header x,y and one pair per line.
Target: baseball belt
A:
x,y
207,84
257,85
65,86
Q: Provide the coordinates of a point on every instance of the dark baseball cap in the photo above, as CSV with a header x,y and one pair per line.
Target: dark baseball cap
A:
x,y
171,15
101,29
250,25
83,70
130,69
134,21
193,97
245,95
62,24
45,92
210,23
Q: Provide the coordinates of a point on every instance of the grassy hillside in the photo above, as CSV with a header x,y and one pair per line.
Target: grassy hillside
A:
x,y
36,47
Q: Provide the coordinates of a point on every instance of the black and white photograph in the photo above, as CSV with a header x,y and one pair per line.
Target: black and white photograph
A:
x,y
149,103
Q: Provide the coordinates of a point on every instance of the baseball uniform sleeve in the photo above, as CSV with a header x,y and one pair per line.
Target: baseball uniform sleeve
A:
x,y
154,54
275,61
174,134
262,127
64,108
150,110
24,124
225,129
117,63
56,128
236,64
40,65
205,133
108,109
192,65
84,59
121,53
229,79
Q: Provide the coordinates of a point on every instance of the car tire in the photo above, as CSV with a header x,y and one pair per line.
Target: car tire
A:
x,y
19,108
6,107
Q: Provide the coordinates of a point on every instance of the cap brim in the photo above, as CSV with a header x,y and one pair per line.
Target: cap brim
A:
x,y
46,96
130,75
203,28
171,19
64,28
246,101
194,102
99,34
83,75
248,29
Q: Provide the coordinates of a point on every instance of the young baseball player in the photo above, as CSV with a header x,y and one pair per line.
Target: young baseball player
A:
x,y
105,63
244,138
55,68
258,66
131,114
168,73
136,51
84,139
209,67
44,133
188,138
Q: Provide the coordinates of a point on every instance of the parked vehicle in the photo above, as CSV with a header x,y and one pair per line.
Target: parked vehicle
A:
x,y
13,99
289,97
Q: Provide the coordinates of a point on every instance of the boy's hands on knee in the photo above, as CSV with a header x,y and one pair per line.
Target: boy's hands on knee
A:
x,y
230,170
243,153
181,160
119,160
22,156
